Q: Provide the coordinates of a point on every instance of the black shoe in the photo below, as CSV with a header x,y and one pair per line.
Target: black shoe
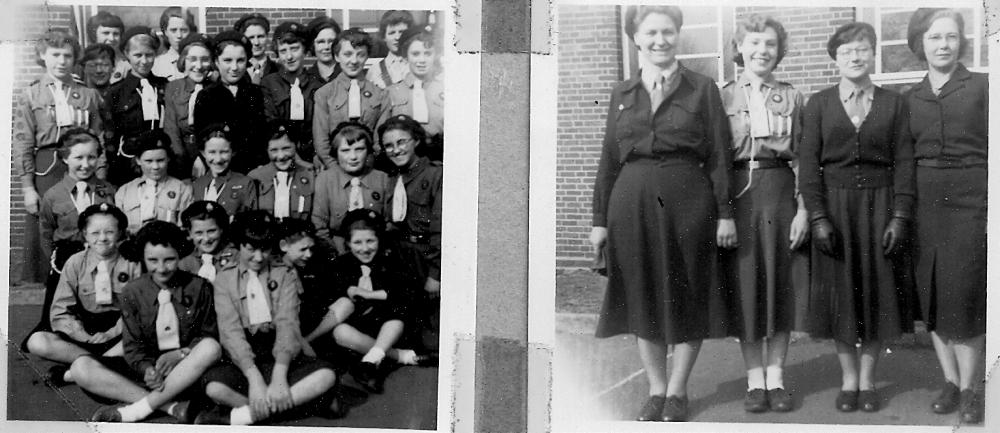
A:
x,y
652,410
948,400
868,400
675,408
429,359
107,414
755,401
972,407
847,401
57,375
370,377
335,410
216,415
184,412
779,400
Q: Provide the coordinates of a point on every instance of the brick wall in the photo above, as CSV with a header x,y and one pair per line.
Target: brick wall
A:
x,y
590,64
218,19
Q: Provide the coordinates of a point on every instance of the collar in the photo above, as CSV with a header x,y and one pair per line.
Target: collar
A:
x,y
418,166
345,179
393,59
290,77
923,88
846,90
175,284
189,84
224,177
314,70
344,81
745,80
91,260
69,182
683,74
668,75
48,79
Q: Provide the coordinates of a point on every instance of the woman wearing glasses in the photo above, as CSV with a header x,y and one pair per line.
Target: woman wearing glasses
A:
x,y
856,176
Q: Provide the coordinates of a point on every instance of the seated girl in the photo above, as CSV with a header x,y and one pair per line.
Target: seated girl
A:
x,y
154,195
234,191
207,223
170,330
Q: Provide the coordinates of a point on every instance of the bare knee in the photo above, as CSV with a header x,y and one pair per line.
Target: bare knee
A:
x,y
217,391
40,343
208,349
83,370
342,334
324,377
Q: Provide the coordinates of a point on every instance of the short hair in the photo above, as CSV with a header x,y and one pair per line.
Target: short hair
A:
x,y
406,123
55,39
850,32
159,233
634,15
418,35
290,32
255,228
253,19
103,19
350,133
142,35
279,128
394,17
73,136
921,21
214,130
759,24
355,36
102,209
96,51
362,219
291,230
317,25
194,40
202,210
177,12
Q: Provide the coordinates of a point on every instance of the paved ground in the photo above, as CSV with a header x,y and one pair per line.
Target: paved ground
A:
x,y
603,379
410,400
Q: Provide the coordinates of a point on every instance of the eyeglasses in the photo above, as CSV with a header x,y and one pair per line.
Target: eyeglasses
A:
x,y
403,142
92,66
859,52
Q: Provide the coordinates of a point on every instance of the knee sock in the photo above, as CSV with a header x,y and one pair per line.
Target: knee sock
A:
x,y
240,416
774,379
136,411
755,378
374,356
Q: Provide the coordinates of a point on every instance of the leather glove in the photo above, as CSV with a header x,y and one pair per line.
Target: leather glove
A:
x,y
825,236
894,236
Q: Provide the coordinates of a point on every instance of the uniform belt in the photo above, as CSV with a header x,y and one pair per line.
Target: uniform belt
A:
x,y
952,162
417,239
665,158
758,164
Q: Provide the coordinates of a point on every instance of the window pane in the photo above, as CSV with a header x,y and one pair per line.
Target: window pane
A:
x,y
898,58
708,67
894,25
699,15
967,58
366,19
699,41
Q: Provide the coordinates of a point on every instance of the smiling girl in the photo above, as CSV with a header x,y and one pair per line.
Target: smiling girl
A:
x,y
233,191
286,186
154,195
207,223
421,94
195,61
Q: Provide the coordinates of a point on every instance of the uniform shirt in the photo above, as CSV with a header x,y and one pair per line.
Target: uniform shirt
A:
x,y
244,113
57,215
313,71
396,66
165,65
834,154
282,286
690,123
332,197
238,192
300,194
391,276
193,302
954,123
225,257
399,100
783,106
330,110
178,127
423,206
35,125
123,117
76,291
172,197
277,93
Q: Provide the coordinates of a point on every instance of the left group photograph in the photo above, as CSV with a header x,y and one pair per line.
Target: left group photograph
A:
x,y
227,216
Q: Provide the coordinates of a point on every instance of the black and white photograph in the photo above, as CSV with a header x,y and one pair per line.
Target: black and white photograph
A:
x,y
767,214
234,215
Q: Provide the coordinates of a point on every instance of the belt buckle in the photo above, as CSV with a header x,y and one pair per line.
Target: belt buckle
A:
x,y
753,164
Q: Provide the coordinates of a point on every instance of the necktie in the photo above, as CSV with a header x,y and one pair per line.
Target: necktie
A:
x,y
759,126
233,89
147,202
419,102
399,200
282,190
298,105
167,334
82,200
207,269
194,98
365,282
656,96
856,108
354,100
64,114
257,307
355,200
150,110
211,193
102,283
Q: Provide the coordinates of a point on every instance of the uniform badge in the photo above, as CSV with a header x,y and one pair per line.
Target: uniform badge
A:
x,y
376,196
101,193
305,181
235,187
171,194
621,107
21,136
777,98
425,184
223,262
118,75
234,195
76,95
122,277
367,94
272,285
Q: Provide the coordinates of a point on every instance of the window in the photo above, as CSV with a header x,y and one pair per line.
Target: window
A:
x,y
704,43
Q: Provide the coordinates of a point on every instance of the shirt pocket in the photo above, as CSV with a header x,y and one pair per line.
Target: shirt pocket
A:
x,y
419,205
781,119
684,119
86,294
739,122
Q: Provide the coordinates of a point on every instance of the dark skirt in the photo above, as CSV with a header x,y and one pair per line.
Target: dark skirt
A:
x,y
950,252
661,255
858,296
761,273
35,267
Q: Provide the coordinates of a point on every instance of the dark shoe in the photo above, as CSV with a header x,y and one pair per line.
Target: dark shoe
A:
x,y
429,359
675,408
336,410
184,412
847,401
779,400
755,401
217,415
948,400
370,377
972,407
652,410
57,375
107,414
868,400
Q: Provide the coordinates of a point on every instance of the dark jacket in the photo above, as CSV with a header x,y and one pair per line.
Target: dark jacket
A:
x,y
244,114
953,124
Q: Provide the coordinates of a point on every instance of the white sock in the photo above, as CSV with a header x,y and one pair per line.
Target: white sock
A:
x,y
68,378
136,411
169,408
374,356
240,416
774,374
406,356
755,378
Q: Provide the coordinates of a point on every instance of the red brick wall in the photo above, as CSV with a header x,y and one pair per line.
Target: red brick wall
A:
x,y
590,64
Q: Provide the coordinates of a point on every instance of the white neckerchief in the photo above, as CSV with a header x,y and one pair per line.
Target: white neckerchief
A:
x,y
419,101
365,281
355,198
64,114
147,200
399,200
297,109
756,98
81,200
282,194
207,269
194,98
257,307
167,334
150,109
102,283
212,192
354,100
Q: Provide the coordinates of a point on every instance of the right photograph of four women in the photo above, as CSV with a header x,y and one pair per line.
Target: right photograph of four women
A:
x,y
771,214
